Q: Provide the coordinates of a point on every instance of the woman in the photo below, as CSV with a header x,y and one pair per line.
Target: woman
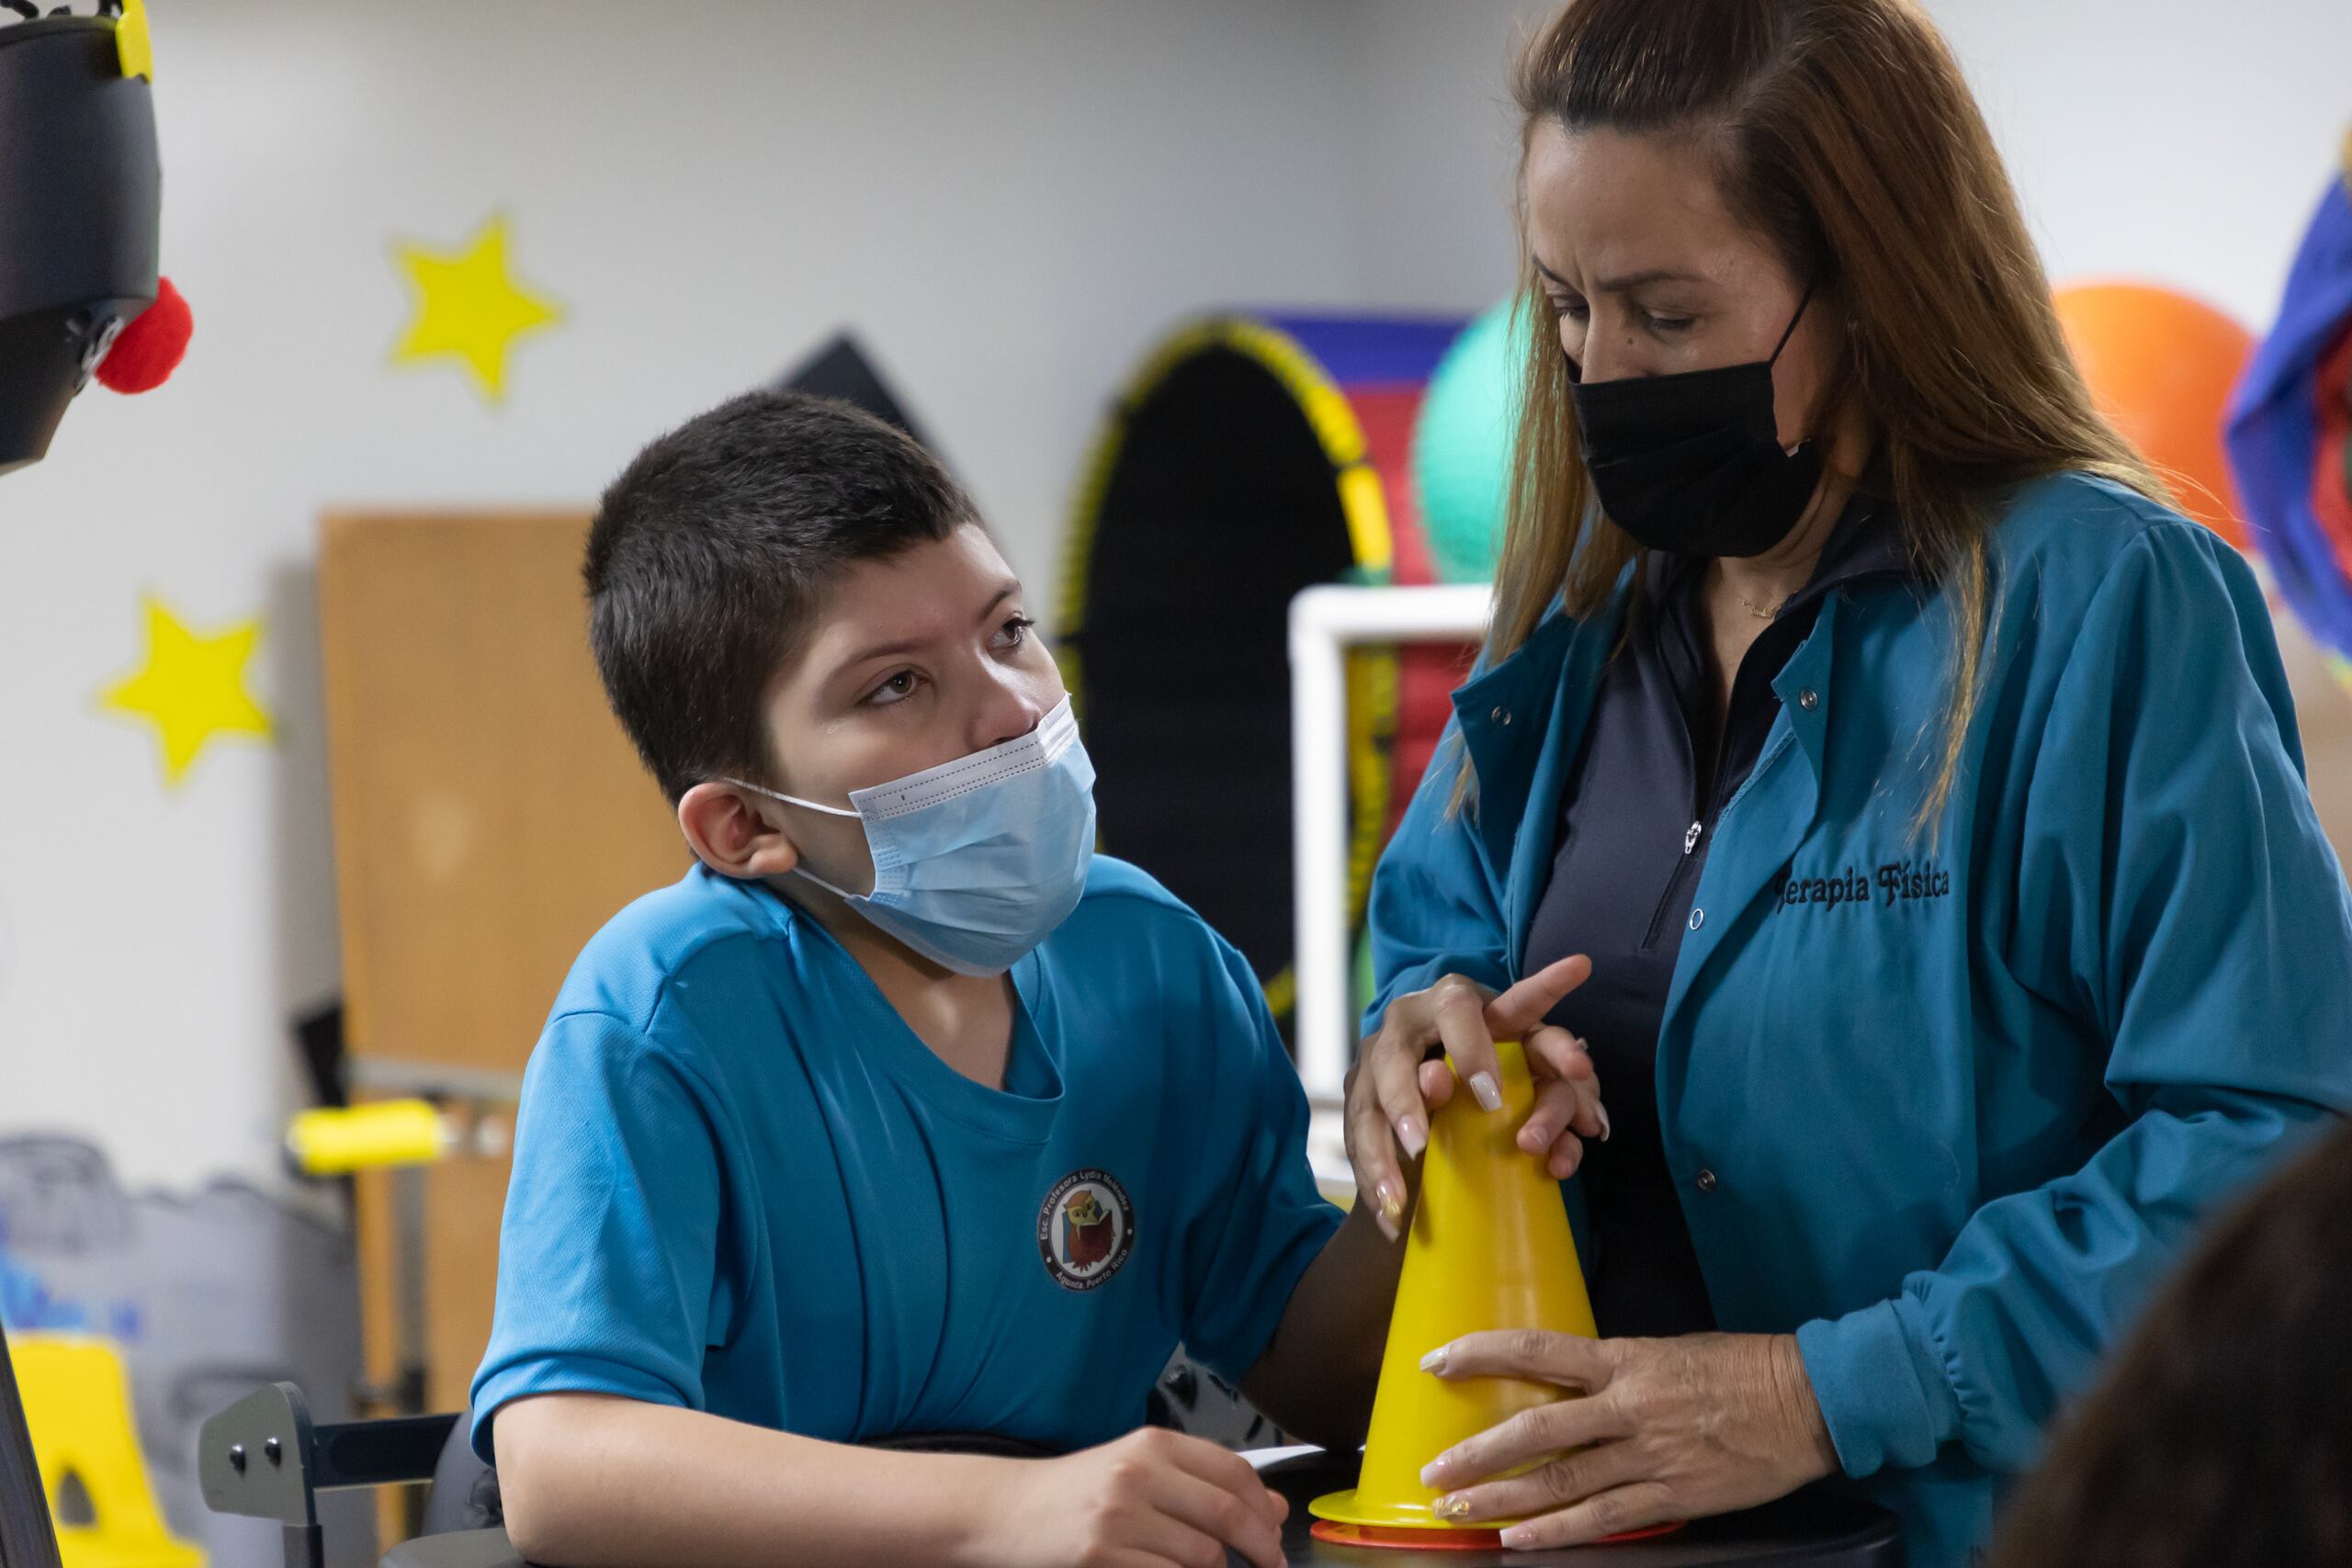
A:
x,y
2021,946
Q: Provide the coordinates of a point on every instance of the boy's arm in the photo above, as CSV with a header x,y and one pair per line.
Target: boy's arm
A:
x,y
1317,1376
596,1481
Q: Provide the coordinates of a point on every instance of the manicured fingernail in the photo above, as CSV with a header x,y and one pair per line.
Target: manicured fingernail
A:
x,y
1519,1538
1482,1086
1604,1121
1434,1362
1409,1134
1392,1200
1453,1506
1433,1473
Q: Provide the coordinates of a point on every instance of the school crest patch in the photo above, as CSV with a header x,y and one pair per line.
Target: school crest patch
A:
x,y
1086,1227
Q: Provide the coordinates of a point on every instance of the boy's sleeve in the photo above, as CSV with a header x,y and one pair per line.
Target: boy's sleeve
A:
x,y
606,1255
1261,1221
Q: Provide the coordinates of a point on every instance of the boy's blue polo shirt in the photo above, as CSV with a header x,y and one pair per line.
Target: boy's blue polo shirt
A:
x,y
743,1185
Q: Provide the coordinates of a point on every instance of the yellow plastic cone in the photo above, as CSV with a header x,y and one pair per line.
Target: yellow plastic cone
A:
x,y
1489,1248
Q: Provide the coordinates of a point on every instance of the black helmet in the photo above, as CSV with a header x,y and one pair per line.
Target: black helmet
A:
x,y
79,195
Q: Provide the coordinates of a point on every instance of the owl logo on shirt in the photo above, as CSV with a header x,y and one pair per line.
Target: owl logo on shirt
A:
x,y
1086,1227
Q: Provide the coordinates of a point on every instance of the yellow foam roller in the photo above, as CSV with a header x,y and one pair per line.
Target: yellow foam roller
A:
x,y
364,1137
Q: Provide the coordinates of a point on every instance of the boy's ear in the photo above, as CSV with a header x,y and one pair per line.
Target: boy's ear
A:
x,y
723,825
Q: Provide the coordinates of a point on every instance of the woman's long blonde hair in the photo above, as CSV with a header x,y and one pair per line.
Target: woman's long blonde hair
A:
x,y
1842,131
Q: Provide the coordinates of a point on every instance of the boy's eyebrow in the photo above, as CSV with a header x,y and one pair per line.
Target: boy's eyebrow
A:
x,y
1005,589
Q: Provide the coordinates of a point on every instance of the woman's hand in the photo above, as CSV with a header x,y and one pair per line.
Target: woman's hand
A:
x,y
1152,1499
1668,1430
1394,1085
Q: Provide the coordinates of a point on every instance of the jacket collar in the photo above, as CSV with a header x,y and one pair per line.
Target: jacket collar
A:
x,y
1523,720
1866,542
1523,723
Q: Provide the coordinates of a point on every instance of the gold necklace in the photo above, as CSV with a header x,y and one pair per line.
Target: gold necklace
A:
x,y
1761,611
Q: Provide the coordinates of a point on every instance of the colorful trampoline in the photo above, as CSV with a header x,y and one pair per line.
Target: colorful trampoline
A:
x,y
1250,457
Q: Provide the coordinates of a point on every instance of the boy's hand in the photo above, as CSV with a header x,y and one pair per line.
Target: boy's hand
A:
x,y
1153,1499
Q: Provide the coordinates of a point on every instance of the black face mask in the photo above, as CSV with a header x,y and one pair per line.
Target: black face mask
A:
x,y
1691,463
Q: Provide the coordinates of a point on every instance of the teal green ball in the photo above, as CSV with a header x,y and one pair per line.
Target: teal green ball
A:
x,y
1462,444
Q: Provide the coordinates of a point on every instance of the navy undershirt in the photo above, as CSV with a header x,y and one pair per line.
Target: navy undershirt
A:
x,y
1636,820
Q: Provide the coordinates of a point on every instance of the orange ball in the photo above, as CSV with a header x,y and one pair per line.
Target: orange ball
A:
x,y
2161,365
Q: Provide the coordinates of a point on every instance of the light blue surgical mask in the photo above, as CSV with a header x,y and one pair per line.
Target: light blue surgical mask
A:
x,y
978,860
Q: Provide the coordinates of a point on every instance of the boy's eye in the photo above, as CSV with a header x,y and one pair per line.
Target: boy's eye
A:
x,y
897,688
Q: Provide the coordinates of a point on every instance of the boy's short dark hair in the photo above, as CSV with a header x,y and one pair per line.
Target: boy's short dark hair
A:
x,y
711,549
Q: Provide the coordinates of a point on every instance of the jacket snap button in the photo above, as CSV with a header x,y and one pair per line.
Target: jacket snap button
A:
x,y
1706,1179
1697,918
1808,699
1501,715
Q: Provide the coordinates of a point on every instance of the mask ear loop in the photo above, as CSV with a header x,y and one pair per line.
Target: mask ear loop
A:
x,y
1805,299
792,799
801,871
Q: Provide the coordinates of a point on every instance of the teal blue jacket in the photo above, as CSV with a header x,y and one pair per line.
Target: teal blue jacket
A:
x,y
1947,1106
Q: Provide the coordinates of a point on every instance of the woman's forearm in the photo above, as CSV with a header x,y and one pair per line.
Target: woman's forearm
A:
x,y
595,1481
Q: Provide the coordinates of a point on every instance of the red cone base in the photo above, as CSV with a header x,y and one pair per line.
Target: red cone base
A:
x,y
1406,1539
1394,1539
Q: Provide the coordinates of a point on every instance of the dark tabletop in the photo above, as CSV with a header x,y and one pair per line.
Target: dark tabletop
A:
x,y
1813,1529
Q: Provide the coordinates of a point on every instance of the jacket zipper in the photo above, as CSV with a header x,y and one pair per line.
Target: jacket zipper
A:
x,y
1691,837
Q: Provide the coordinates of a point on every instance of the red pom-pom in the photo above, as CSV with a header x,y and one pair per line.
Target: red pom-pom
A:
x,y
150,346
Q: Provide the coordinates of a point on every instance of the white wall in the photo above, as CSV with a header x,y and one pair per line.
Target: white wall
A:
x,y
2167,139
1007,201
1007,197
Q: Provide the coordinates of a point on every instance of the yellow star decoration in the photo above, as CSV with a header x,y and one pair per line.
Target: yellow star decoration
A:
x,y
191,689
469,308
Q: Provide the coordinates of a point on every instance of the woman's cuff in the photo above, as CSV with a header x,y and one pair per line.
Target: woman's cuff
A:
x,y
1881,1385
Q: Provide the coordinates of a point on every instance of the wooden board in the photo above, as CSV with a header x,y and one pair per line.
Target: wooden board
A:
x,y
490,815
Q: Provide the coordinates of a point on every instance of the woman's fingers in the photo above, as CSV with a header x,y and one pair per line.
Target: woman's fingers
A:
x,y
1462,1027
1393,1088
1566,1082
1546,1133
1395,1080
1566,1481
1510,1015
1700,1424
1569,1359
1621,1508
1436,1082
1372,1139
1567,1096
1530,1435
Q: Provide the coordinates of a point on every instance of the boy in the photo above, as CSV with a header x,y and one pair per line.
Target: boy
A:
x,y
901,1113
